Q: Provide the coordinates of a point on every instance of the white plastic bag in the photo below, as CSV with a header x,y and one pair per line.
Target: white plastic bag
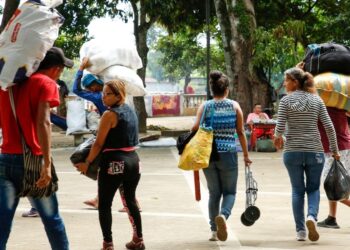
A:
x,y
76,116
105,53
93,119
133,83
29,34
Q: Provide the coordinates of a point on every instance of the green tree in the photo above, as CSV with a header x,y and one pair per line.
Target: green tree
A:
x,y
182,55
9,9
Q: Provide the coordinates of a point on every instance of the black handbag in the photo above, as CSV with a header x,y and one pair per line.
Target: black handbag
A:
x,y
81,153
183,139
32,167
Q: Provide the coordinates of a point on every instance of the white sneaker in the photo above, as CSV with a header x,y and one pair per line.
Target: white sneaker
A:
x,y
311,226
220,222
214,236
301,235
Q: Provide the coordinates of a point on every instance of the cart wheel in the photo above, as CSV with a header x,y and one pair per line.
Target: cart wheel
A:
x,y
252,213
245,221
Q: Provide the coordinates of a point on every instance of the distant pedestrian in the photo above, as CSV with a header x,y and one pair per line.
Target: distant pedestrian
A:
x,y
33,100
222,173
303,155
340,123
117,138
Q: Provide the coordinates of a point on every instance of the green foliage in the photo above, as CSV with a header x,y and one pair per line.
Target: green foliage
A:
x,y
181,54
154,68
285,28
244,21
324,20
189,13
68,75
277,50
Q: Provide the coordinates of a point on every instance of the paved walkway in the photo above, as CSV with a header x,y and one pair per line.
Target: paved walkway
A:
x,y
172,219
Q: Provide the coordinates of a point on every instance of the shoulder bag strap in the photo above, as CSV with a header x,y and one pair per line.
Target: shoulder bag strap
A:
x,y
212,111
13,107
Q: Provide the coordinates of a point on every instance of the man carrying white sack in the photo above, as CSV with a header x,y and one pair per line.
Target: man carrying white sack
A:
x,y
33,114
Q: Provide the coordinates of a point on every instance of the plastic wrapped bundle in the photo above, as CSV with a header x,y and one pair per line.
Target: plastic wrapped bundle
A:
x,y
133,83
76,116
29,34
334,89
104,53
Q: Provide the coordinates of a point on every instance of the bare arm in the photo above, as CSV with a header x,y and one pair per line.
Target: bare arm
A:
x,y
43,127
108,121
281,125
198,118
241,133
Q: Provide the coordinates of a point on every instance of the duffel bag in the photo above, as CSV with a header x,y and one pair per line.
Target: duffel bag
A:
x,y
327,57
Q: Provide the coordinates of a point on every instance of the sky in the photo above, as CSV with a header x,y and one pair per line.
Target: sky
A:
x,y
102,27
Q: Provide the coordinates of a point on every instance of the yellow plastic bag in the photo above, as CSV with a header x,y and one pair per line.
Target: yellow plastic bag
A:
x,y
197,152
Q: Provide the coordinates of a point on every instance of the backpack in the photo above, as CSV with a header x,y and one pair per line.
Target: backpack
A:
x,y
327,57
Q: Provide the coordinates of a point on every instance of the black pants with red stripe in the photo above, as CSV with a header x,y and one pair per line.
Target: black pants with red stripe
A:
x,y
118,170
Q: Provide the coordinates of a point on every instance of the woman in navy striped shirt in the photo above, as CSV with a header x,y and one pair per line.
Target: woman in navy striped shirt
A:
x,y
303,156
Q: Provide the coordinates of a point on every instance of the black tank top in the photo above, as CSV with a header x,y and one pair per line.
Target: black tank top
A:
x,y
125,134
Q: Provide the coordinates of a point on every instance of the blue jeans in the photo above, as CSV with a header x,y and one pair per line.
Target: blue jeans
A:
x,y
221,179
299,166
11,175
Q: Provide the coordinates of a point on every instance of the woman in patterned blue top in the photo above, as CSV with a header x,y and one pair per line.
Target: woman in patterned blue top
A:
x,y
222,173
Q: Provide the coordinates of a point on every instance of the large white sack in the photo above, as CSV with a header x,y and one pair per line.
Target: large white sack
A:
x,y
29,34
133,83
76,116
52,3
105,53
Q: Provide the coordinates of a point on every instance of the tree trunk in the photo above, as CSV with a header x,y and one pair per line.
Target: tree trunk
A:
x,y
9,9
140,30
237,23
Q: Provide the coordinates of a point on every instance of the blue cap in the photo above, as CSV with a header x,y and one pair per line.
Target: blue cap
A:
x,y
90,79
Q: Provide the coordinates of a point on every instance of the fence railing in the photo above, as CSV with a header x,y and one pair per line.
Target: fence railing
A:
x,y
191,103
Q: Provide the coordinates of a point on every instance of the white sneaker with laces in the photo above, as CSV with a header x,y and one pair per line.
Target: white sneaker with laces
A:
x,y
301,235
214,236
311,226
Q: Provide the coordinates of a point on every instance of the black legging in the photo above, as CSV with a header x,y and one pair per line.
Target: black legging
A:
x,y
109,183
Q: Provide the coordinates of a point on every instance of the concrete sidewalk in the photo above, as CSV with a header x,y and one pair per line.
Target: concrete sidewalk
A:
x,y
172,219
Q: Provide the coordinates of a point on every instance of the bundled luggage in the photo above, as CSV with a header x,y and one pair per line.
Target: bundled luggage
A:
x,y
329,63
29,34
103,54
133,83
115,60
327,57
334,89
